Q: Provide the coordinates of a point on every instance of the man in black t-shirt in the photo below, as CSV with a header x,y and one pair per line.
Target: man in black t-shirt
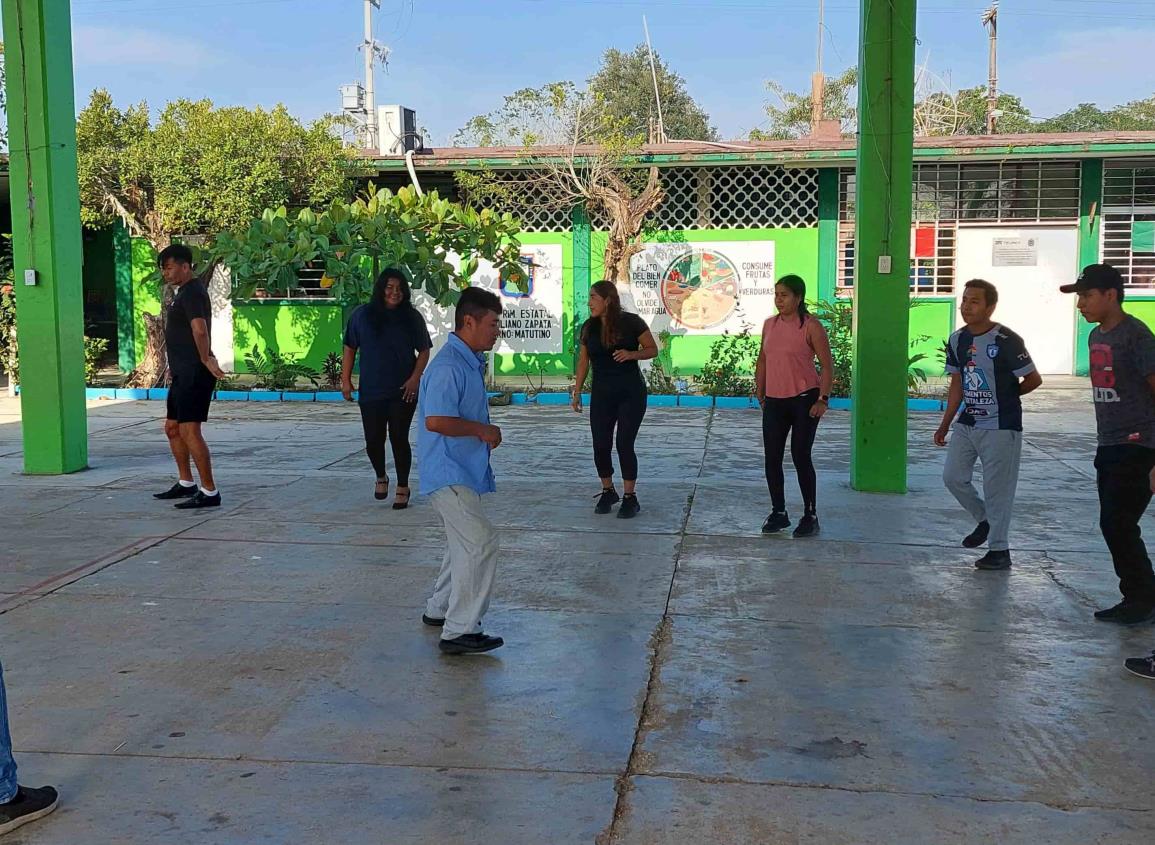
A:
x,y
1123,387
194,371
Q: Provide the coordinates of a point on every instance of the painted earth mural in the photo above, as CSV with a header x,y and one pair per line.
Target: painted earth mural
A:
x,y
700,288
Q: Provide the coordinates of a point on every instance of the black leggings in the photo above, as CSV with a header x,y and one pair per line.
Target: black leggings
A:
x,y
779,418
622,408
392,417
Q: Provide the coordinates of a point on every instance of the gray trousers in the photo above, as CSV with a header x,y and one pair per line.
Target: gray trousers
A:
x,y
1000,453
465,582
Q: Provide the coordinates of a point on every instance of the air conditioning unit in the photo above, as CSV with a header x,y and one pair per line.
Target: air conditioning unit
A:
x,y
397,130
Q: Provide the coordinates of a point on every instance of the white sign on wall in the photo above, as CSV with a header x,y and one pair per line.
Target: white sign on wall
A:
x,y
703,288
531,320
1015,252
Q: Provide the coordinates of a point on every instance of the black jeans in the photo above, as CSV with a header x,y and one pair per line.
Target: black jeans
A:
x,y
392,418
619,407
790,417
1124,493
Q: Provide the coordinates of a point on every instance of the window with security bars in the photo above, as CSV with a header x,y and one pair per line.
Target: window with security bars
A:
x,y
1127,231
995,192
932,263
312,285
741,197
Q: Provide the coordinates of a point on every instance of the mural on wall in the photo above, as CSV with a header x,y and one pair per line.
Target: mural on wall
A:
x,y
532,318
702,288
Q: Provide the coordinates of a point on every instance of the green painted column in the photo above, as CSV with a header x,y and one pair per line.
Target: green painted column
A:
x,y
827,232
46,234
125,325
1090,215
582,266
882,234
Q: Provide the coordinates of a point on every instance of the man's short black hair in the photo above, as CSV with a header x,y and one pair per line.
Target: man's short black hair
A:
x,y
990,292
474,302
177,252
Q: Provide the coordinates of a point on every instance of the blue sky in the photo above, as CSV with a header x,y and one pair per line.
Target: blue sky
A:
x,y
453,59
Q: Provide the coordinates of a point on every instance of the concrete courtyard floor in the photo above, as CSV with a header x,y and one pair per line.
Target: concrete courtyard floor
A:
x,y
260,674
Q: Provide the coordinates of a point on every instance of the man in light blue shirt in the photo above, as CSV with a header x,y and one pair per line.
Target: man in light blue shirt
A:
x,y
454,439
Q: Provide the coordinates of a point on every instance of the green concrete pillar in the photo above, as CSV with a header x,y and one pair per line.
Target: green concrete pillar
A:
x,y
882,237
46,234
125,321
827,233
1090,217
583,268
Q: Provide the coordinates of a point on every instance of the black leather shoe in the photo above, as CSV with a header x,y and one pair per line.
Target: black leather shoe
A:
x,y
200,500
431,622
470,644
177,491
1127,613
994,561
977,537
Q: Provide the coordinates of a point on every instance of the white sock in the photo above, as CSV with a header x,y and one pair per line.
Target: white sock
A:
x,y
208,492
184,483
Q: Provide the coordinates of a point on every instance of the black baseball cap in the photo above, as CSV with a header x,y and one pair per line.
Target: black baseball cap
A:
x,y
1096,277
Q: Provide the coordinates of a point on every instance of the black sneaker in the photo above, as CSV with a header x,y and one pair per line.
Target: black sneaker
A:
x,y
994,560
630,507
807,526
177,491
470,644
977,537
432,621
1144,667
200,500
28,806
1127,613
606,500
776,522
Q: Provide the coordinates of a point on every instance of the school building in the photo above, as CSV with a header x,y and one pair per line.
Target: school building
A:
x,y
1025,212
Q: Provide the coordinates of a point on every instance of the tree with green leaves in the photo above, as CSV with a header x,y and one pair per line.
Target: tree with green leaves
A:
x,y
1135,116
790,116
438,243
576,151
196,171
201,169
1013,117
625,83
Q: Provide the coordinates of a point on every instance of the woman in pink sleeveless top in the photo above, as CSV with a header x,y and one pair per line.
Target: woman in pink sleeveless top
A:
x,y
794,396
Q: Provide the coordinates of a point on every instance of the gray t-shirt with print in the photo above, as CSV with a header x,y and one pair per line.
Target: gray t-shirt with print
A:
x,y
1121,360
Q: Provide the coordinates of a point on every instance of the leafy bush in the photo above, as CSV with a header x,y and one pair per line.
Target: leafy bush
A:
x,y
275,371
331,370
729,371
838,317
94,348
9,363
661,375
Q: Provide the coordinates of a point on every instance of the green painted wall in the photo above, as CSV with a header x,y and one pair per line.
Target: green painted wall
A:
x,y
1090,217
931,323
304,331
795,251
145,290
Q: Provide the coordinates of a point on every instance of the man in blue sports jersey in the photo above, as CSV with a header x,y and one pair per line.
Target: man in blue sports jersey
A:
x,y
990,371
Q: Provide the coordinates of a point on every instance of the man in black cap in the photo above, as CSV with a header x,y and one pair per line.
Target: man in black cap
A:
x,y
1123,386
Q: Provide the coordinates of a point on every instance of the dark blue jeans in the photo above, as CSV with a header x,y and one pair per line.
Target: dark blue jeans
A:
x,y
7,764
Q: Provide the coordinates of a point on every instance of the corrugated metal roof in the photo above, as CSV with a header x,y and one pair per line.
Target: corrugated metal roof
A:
x,y
805,149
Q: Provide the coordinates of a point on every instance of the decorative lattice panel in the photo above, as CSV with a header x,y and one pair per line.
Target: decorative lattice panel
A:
x,y
528,198
745,197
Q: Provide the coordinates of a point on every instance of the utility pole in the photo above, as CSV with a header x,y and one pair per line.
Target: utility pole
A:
x,y
991,22
372,136
661,134
818,80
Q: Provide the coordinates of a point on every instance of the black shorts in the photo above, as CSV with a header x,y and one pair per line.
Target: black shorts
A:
x,y
190,394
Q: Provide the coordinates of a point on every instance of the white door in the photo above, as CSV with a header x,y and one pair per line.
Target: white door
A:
x,y
1027,264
